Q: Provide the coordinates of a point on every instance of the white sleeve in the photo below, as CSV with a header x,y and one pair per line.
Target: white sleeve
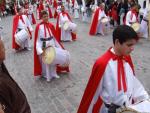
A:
x,y
128,16
39,44
139,93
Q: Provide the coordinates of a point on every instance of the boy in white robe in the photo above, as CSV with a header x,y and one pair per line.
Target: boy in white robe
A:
x,y
48,71
97,26
21,22
113,83
131,16
64,35
45,36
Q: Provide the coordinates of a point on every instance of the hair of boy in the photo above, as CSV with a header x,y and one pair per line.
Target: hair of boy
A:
x,y
124,33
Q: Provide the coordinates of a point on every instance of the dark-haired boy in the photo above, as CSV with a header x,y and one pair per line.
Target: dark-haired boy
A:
x,y
113,83
45,36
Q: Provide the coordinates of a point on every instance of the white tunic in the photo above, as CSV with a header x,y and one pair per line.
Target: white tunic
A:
x,y
108,88
39,43
48,70
130,19
22,25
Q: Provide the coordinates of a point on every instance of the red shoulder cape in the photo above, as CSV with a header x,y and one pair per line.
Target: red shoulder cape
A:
x,y
37,64
59,30
94,23
95,78
15,25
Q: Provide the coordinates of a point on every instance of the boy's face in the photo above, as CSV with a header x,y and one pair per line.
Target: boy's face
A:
x,y
20,11
45,17
126,48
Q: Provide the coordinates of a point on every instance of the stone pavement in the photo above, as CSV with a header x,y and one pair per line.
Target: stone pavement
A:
x,y
63,95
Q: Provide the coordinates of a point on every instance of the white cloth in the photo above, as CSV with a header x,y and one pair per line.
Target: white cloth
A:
x,y
100,26
130,19
29,13
65,34
84,14
27,23
144,24
108,87
76,10
48,70
39,43
22,25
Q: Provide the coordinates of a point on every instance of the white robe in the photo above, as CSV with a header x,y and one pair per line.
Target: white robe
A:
x,y
129,19
48,71
100,26
22,25
108,88
84,14
144,24
65,34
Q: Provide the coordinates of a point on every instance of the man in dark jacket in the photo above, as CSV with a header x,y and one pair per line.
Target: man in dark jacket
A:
x,y
12,98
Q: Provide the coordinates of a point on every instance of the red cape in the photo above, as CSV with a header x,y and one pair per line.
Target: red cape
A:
x,y
50,12
58,29
14,29
94,24
37,64
95,78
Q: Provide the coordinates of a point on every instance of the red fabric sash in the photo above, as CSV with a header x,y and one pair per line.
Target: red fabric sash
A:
x,y
133,12
121,73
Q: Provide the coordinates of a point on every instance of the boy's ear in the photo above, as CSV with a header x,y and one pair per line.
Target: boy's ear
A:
x,y
116,42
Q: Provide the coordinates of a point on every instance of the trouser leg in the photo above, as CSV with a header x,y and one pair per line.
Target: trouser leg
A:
x,y
53,72
48,76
